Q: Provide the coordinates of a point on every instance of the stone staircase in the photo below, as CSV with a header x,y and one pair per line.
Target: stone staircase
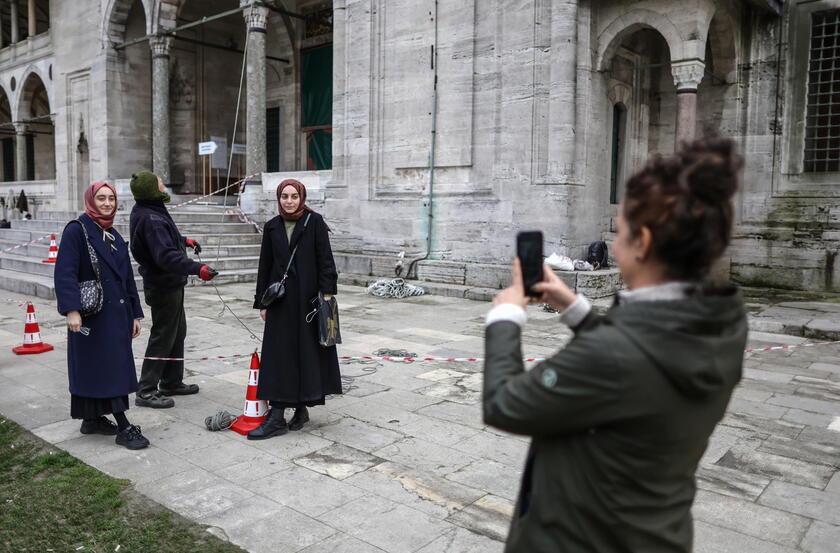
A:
x,y
229,246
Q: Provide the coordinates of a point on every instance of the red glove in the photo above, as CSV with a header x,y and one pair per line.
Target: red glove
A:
x,y
193,244
207,272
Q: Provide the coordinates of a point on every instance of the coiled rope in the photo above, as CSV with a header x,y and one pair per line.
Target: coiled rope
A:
x,y
394,288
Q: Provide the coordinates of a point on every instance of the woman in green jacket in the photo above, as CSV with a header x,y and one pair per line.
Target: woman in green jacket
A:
x,y
622,415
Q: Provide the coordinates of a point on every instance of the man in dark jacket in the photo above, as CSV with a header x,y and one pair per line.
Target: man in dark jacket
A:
x,y
160,250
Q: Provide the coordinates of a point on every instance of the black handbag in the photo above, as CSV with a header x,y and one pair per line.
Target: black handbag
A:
x,y
90,291
326,311
276,290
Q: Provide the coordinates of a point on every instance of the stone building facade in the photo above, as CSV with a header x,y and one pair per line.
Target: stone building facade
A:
x,y
448,126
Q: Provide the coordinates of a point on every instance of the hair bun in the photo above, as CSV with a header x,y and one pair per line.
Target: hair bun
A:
x,y
711,166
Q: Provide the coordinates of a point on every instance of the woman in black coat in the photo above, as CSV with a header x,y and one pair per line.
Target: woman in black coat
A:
x,y
296,371
100,361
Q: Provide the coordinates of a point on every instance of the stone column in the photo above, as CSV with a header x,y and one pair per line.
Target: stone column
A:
x,y
256,19
20,152
687,76
33,28
160,105
14,21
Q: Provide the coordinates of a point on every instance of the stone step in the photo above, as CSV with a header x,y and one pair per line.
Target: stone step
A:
x,y
34,265
41,286
594,284
186,217
187,229
33,286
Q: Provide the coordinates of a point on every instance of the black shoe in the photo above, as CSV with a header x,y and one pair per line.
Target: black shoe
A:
x,y
181,390
154,400
300,417
273,425
132,438
99,425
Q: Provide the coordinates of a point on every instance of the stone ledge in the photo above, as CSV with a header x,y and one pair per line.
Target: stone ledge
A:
x,y
482,280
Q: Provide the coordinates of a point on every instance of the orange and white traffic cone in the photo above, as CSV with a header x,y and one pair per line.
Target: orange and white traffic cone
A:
x,y
255,409
53,255
31,335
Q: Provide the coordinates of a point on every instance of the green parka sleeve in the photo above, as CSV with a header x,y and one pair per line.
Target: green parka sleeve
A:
x,y
578,388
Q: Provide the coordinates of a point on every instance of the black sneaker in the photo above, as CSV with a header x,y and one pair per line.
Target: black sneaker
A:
x,y
132,438
300,417
99,425
180,390
154,400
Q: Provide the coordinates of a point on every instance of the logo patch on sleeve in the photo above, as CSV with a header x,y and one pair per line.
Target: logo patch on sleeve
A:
x,y
549,378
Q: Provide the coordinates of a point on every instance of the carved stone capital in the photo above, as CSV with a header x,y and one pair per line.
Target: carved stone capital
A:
x,y
256,17
160,45
688,74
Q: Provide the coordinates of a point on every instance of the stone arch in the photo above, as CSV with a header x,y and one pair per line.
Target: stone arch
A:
x,y
116,16
722,41
27,88
166,15
627,24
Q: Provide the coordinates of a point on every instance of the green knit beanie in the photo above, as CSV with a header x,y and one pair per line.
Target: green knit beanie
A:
x,y
144,186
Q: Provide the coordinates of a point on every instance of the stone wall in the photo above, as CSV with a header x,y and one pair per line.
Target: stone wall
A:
x,y
789,221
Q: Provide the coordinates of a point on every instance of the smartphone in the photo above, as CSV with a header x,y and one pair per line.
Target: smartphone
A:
x,y
529,250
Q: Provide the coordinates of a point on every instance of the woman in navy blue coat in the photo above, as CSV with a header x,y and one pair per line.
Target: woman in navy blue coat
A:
x,y
100,361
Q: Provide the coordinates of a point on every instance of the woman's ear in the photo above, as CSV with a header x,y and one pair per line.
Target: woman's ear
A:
x,y
643,244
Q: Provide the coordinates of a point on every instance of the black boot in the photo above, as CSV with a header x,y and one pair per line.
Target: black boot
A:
x,y
300,417
273,425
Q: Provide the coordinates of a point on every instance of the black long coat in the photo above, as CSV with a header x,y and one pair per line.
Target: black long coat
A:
x,y
295,369
101,364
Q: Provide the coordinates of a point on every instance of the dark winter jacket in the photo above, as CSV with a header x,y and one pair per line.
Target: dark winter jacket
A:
x,y
619,418
159,248
101,364
295,369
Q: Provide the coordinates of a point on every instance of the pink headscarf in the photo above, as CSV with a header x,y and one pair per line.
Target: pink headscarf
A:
x,y
104,221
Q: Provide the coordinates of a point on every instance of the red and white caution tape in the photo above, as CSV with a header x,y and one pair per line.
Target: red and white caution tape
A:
x,y
240,182
236,356
453,359
27,243
244,218
777,348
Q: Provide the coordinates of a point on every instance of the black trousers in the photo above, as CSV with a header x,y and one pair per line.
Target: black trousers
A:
x,y
166,339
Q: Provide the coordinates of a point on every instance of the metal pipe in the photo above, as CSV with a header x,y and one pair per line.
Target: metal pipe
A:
x,y
227,48
431,214
202,21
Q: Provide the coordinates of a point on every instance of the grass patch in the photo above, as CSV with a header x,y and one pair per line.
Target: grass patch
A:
x,y
51,501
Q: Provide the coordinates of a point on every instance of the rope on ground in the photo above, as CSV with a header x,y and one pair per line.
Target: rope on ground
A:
x,y
348,382
385,352
225,306
220,421
394,288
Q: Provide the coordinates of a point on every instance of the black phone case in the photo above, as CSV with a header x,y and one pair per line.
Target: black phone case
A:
x,y
529,249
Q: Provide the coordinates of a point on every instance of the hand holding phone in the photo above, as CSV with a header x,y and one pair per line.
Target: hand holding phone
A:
x,y
529,250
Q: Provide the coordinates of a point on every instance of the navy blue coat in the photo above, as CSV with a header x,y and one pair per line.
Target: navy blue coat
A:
x,y
100,365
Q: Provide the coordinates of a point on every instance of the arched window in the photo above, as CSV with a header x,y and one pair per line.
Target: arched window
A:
x,y
619,119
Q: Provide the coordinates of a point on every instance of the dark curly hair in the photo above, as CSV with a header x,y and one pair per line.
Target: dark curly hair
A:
x,y
685,199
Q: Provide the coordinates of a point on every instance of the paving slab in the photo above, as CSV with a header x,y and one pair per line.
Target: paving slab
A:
x,y
403,460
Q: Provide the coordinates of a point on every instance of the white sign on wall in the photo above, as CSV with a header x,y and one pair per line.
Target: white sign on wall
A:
x,y
206,148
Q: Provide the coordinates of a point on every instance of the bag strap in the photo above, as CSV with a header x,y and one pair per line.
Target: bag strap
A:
x,y
94,260
294,251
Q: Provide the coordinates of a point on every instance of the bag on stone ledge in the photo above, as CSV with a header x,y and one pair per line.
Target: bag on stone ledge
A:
x,y
598,256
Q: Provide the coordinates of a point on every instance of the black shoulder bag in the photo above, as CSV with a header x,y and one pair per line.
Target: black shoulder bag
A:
x,y
90,291
276,290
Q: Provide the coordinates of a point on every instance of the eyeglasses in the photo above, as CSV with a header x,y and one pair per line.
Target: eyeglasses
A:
x,y
85,331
